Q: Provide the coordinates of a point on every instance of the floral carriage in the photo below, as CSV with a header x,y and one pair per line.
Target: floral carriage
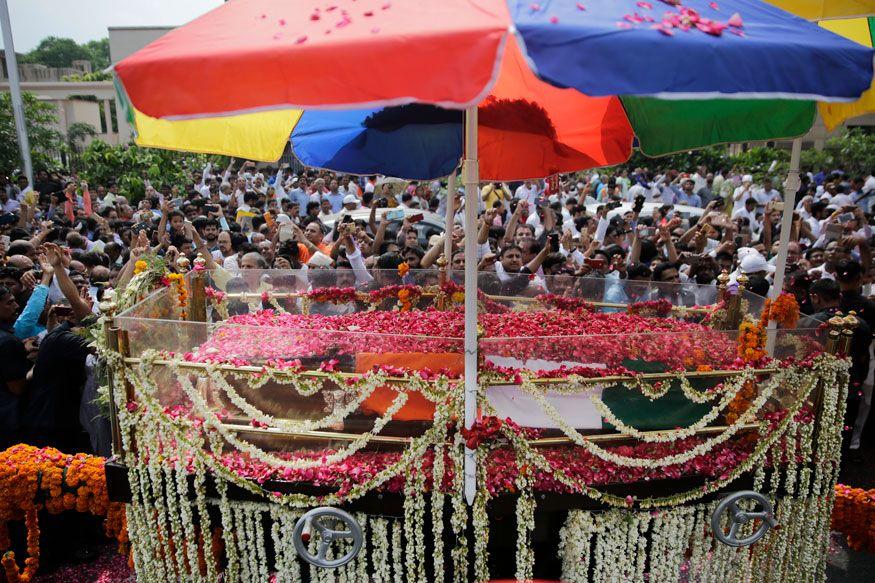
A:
x,y
247,410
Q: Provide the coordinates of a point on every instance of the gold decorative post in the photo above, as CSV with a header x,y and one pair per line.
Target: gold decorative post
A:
x,y
722,284
833,337
733,308
849,324
197,311
442,263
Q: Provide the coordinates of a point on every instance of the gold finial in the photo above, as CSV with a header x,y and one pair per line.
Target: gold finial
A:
x,y
182,263
723,278
441,261
200,262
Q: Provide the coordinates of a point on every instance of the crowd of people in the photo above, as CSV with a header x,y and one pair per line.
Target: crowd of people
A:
x,y
615,237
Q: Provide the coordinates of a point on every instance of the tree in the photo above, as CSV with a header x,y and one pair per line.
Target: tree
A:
x,y
99,50
45,141
53,51
129,166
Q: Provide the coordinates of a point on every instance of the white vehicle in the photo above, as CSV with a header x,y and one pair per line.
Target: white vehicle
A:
x,y
685,212
431,223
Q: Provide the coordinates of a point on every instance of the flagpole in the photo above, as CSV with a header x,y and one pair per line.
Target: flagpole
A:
x,y
450,219
15,91
791,185
471,172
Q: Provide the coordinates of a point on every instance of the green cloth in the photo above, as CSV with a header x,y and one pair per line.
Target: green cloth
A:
x,y
667,126
672,410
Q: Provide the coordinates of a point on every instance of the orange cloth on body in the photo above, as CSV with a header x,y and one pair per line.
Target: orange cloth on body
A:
x,y
417,407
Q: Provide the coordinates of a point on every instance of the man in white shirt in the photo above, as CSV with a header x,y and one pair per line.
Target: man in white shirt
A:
x,y
528,192
766,194
749,212
745,191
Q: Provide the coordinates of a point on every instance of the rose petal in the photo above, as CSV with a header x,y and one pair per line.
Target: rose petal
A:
x,y
282,21
735,20
301,39
368,13
714,6
645,5
554,20
580,6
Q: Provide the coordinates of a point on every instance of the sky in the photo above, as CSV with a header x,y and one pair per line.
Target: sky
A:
x,y
85,20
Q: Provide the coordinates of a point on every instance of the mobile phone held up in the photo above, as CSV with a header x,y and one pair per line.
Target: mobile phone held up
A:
x,y
594,263
395,215
639,204
554,242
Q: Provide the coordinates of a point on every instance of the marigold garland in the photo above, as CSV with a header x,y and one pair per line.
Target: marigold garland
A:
x,y
854,516
32,479
178,281
784,310
140,266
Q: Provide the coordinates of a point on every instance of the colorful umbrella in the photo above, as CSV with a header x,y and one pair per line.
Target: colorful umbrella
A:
x,y
649,59
528,127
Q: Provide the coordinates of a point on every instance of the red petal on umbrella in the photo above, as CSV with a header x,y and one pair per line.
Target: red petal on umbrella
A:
x,y
714,6
282,21
735,20
645,5
330,8
368,13
580,6
301,39
315,16
554,20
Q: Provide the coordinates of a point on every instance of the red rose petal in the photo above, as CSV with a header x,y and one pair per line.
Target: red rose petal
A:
x,y
554,20
301,39
714,6
368,13
645,5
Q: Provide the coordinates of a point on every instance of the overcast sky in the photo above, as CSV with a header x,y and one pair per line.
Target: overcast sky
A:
x,y
84,20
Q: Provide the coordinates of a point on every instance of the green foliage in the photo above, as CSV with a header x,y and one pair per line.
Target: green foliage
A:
x,y
853,152
99,50
87,77
54,51
77,133
130,165
45,140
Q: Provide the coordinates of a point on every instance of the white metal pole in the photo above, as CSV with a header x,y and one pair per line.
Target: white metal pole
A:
x,y
15,91
450,219
471,171
791,186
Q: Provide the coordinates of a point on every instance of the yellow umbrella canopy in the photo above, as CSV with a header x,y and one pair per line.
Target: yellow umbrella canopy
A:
x,y
852,19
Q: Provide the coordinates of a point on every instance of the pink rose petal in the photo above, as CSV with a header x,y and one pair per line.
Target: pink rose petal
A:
x,y
368,13
301,39
535,7
580,6
330,8
282,21
386,6
315,16
624,25
714,6
735,20
263,16
375,30
736,32
665,31
554,20
645,5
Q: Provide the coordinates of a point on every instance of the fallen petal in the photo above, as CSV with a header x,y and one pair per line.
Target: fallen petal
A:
x,y
735,20
665,31
646,5
368,13
714,6
554,20
282,21
301,39
375,30
580,6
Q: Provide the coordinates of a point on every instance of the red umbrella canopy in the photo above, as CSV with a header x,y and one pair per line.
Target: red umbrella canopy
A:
x,y
249,56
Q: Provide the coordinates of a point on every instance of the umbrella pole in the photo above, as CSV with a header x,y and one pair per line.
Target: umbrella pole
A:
x,y
450,218
471,171
791,185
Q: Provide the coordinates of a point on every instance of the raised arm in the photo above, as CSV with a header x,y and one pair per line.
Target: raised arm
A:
x,y
56,257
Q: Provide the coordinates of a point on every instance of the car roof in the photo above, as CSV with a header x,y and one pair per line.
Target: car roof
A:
x,y
364,213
